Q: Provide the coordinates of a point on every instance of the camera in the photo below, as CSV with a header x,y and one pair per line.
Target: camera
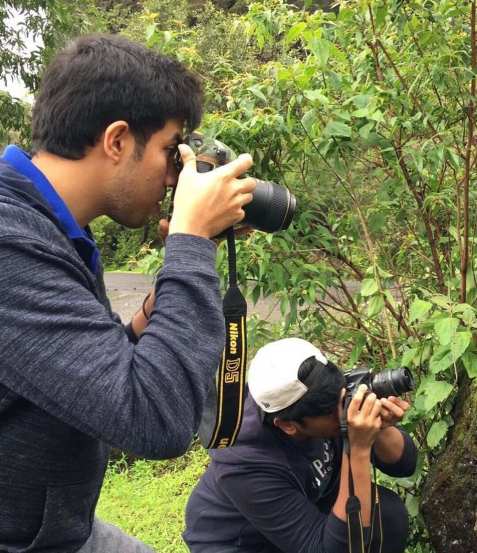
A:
x,y
272,207
393,382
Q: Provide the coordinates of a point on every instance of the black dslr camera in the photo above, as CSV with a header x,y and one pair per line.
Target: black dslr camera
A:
x,y
272,207
393,382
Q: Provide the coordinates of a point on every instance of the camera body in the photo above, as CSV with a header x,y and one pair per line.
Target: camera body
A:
x,y
393,382
272,207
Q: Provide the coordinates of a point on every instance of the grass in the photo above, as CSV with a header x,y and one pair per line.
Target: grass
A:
x,y
147,499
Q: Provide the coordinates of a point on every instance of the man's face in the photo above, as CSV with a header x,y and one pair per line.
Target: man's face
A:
x,y
323,426
320,426
141,181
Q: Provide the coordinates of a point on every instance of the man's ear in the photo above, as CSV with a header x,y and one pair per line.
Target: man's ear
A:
x,y
289,427
116,139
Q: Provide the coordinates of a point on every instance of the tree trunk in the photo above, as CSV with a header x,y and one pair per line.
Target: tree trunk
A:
x,y
449,499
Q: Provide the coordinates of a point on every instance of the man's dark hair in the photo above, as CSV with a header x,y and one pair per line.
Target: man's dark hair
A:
x,y
99,79
324,382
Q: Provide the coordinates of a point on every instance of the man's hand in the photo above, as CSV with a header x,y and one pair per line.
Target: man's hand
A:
x,y
364,419
393,410
364,424
205,204
163,229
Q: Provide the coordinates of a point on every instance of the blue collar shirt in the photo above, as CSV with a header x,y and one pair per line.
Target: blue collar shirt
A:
x,y
82,238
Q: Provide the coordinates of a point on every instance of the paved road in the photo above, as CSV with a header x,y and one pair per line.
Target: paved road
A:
x,y
127,290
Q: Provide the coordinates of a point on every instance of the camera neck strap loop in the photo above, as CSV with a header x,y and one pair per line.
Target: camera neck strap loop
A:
x,y
230,380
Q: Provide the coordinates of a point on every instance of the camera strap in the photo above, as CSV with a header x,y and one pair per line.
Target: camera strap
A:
x,y
353,508
223,413
356,541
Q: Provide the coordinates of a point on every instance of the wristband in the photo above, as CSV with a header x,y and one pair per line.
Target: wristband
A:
x,y
144,306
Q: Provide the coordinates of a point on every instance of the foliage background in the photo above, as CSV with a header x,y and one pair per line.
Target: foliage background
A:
x,y
367,115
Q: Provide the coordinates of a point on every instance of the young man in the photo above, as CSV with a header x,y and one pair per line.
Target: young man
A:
x,y
106,125
284,486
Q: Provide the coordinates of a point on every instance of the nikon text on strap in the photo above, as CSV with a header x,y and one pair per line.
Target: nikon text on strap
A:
x,y
223,414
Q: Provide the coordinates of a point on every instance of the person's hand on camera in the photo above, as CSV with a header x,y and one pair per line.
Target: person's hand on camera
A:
x,y
393,410
163,229
364,419
205,204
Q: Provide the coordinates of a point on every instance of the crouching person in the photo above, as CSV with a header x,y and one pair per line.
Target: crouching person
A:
x,y
284,486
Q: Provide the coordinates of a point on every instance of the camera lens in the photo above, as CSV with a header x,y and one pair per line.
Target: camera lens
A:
x,y
272,207
394,382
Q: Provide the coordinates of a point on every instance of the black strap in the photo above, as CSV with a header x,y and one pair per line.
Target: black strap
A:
x,y
229,393
353,516
356,542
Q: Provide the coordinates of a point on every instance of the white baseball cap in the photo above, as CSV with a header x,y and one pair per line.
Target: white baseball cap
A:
x,y
273,373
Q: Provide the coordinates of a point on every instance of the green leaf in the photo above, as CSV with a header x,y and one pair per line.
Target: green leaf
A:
x,y
381,12
361,100
419,404
445,329
366,129
383,273
377,221
470,363
308,120
321,49
437,431
346,14
377,116
390,299
336,128
454,159
460,343
363,112
419,309
441,359
408,357
343,115
375,306
312,293
468,315
256,294
255,90
284,74
440,300
435,392
295,32
470,278
412,505
369,287
150,31
316,96
358,348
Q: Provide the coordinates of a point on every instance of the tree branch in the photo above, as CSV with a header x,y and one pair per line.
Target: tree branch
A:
x,y
464,257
